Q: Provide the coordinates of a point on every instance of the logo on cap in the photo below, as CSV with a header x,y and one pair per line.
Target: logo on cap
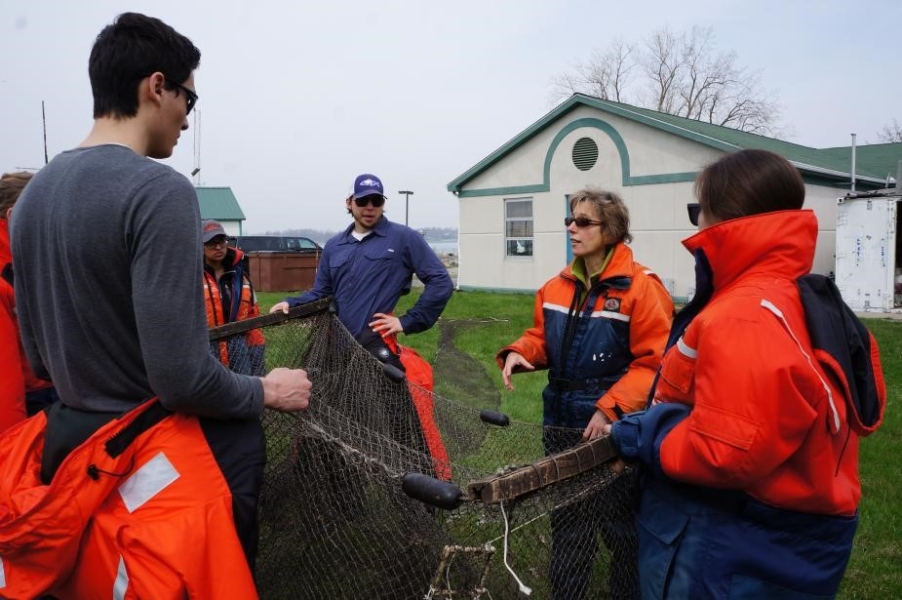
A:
x,y
366,185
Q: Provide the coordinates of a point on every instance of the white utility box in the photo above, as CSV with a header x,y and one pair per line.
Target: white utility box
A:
x,y
868,258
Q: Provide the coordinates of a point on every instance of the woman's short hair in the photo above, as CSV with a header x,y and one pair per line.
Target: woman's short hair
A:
x,y
749,182
11,186
612,212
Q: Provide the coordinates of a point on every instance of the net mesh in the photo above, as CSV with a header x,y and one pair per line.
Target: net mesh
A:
x,y
335,521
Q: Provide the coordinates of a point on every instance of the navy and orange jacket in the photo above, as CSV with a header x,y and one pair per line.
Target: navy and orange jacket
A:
x,y
602,345
243,304
765,417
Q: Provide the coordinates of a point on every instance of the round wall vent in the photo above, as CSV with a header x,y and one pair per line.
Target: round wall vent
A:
x,y
585,153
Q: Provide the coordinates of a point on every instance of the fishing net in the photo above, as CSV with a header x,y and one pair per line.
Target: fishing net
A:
x,y
383,489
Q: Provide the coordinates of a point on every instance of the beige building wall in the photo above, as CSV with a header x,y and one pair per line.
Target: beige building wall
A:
x,y
657,210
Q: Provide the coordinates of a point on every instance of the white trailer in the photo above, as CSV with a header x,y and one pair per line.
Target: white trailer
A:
x,y
868,257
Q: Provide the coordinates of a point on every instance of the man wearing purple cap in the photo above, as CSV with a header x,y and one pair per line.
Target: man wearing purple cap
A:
x,y
369,266
366,269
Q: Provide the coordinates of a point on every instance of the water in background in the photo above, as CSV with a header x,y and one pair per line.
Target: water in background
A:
x,y
444,247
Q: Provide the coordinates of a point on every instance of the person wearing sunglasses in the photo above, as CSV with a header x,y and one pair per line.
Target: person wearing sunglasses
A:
x,y
370,265
749,450
600,327
107,257
229,297
366,269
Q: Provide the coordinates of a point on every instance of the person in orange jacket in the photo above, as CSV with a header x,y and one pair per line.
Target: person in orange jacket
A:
x,y
12,361
749,451
600,327
21,392
143,480
229,297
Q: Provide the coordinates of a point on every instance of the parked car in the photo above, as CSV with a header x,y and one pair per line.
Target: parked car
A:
x,y
275,243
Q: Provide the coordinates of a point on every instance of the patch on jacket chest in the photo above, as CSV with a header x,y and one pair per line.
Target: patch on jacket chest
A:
x,y
612,304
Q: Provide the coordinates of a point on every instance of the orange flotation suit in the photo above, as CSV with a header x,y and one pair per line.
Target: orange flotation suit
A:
x,y
140,510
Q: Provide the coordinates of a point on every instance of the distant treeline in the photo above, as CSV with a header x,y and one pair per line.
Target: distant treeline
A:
x,y
432,234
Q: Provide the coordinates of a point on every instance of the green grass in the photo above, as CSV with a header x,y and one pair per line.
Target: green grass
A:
x,y
486,322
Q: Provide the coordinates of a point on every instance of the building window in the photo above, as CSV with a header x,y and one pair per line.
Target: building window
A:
x,y
585,153
518,227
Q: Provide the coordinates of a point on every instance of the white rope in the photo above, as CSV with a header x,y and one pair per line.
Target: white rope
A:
x,y
523,588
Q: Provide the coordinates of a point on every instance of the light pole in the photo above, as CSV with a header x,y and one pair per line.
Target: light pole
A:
x,y
407,195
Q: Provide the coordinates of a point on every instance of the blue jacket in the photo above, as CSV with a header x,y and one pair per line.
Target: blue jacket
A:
x,y
370,276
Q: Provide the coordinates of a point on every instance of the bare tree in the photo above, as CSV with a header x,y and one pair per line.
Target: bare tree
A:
x,y
606,75
681,74
890,133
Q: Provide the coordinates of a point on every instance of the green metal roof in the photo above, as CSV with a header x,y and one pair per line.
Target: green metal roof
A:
x,y
219,203
880,159
830,163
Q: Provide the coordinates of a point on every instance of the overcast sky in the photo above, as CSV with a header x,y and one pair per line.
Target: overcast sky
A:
x,y
296,98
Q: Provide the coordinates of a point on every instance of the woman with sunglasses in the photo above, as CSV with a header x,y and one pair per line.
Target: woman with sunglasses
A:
x,y
600,327
749,451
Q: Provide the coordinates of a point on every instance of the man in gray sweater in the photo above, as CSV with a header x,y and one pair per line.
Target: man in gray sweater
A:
x,y
107,247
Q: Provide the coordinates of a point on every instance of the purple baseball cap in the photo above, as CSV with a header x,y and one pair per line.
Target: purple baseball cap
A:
x,y
367,185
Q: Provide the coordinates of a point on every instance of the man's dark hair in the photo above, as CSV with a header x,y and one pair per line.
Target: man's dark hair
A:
x,y
128,50
749,182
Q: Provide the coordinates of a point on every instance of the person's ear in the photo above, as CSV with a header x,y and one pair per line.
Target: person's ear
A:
x,y
152,87
9,213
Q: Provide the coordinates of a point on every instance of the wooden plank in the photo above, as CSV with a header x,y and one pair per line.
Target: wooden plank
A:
x,y
542,473
298,312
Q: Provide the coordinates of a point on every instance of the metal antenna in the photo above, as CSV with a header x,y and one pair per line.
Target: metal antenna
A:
x,y
44,119
196,171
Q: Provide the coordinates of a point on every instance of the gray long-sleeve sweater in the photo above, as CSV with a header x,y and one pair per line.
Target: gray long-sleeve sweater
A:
x,y
108,266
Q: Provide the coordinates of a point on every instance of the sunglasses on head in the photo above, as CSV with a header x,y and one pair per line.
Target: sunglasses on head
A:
x,y
694,209
375,199
580,221
190,95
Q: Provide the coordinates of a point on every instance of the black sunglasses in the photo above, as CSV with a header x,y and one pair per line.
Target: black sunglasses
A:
x,y
219,240
376,199
580,221
694,208
190,95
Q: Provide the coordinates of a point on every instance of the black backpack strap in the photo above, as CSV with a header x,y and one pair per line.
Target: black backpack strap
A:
x,y
835,330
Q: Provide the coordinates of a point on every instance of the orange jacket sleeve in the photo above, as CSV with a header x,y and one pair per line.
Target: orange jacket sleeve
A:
x,y
12,378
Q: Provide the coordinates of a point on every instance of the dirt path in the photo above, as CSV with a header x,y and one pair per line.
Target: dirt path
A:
x,y
458,375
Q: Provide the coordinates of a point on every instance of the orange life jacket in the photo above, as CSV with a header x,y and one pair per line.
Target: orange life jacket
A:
x,y
154,521
420,383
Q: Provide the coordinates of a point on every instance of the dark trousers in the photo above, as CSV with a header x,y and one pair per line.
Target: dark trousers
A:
x,y
574,534
239,448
